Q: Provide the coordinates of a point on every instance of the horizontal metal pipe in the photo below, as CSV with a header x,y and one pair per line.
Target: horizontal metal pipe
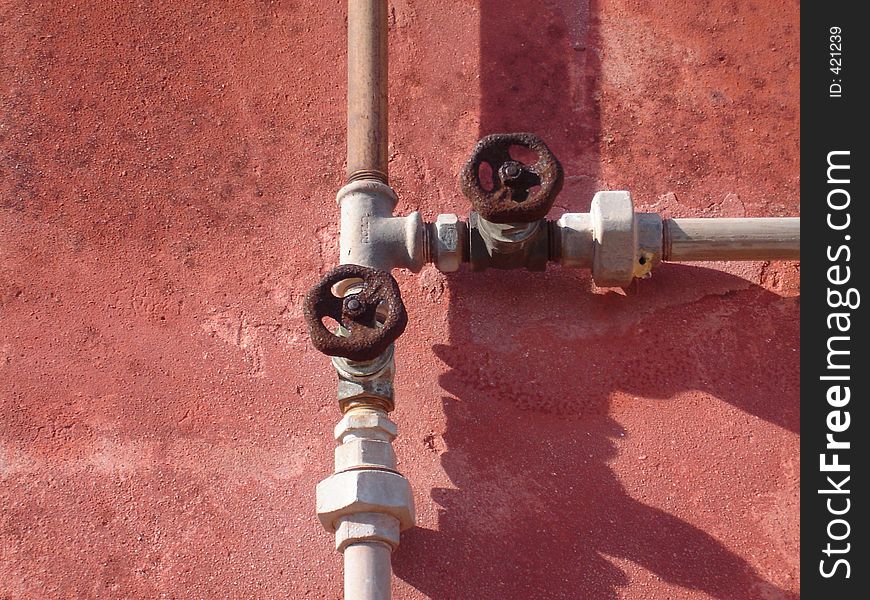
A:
x,y
731,239
367,90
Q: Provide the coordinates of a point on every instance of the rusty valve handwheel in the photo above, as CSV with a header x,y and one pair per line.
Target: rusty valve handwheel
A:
x,y
512,198
371,314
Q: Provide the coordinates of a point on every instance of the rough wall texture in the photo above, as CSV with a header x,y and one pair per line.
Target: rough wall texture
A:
x,y
167,180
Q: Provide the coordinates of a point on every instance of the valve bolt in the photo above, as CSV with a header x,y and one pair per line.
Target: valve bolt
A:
x,y
352,306
511,170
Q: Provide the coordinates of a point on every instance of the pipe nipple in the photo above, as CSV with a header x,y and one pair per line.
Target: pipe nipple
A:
x,y
430,249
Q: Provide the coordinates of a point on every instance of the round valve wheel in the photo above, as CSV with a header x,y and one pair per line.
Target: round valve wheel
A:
x,y
369,310
519,192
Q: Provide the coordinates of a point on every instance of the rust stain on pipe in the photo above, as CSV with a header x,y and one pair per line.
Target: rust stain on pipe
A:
x,y
367,131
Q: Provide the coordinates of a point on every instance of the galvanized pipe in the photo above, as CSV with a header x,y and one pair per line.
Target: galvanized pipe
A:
x,y
367,504
367,572
619,244
371,236
367,90
732,239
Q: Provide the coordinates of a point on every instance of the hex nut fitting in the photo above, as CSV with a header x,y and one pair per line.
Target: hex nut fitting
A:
x,y
367,527
615,235
368,424
360,453
353,389
365,491
449,240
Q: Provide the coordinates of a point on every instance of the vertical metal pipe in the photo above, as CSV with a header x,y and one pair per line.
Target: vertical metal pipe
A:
x,y
367,90
367,565
367,571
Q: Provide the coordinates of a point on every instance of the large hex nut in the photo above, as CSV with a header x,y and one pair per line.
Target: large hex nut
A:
x,y
357,453
368,424
367,527
450,237
352,492
613,226
353,389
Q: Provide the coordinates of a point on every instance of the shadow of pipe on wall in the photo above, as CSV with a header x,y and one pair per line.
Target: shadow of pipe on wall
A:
x,y
537,517
536,508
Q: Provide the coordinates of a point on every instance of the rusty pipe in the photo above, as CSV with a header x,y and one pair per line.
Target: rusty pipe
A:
x,y
367,65
731,239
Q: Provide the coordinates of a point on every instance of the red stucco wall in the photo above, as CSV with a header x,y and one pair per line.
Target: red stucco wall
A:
x,y
167,181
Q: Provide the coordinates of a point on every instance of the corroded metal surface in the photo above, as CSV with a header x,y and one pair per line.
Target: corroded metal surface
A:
x,y
519,192
367,109
372,316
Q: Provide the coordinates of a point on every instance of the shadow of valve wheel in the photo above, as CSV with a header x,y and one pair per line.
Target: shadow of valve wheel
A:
x,y
365,302
519,192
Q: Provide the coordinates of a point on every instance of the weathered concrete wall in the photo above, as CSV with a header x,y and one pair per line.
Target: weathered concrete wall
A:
x,y
167,180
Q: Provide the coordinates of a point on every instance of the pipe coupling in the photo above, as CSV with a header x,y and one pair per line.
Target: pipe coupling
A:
x,y
614,241
366,383
364,491
447,243
366,499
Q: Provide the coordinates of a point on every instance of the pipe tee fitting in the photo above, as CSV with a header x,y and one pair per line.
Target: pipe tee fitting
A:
x,y
371,235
